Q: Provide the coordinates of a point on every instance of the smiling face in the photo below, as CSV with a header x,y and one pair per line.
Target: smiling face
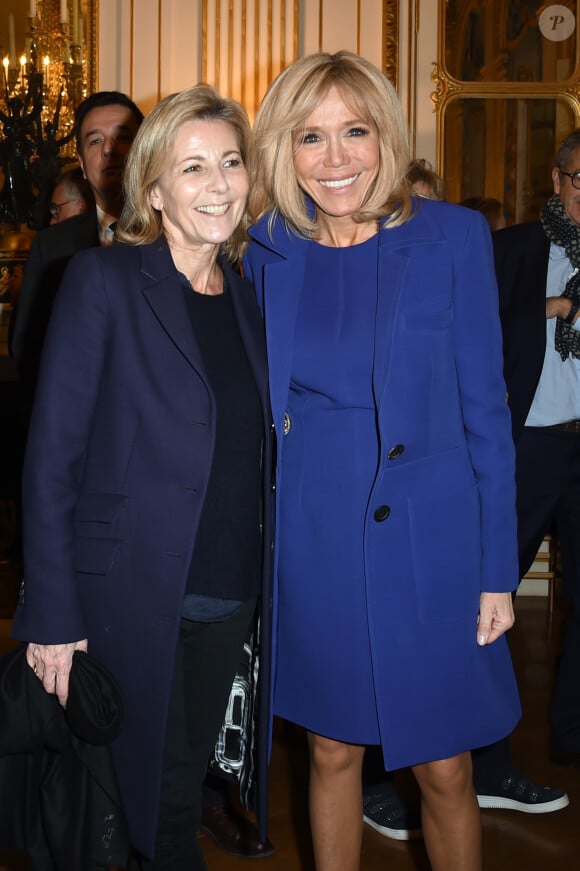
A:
x,y
106,135
336,160
203,189
569,195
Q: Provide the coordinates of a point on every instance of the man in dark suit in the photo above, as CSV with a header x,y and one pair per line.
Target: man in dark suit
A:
x,y
537,268
106,124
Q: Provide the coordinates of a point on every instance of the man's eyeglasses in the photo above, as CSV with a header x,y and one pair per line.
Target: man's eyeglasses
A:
x,y
573,176
55,207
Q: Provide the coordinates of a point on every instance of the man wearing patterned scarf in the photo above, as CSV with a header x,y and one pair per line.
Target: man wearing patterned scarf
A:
x,y
538,272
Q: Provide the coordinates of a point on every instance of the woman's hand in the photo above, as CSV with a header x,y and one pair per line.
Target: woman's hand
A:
x,y
52,664
496,616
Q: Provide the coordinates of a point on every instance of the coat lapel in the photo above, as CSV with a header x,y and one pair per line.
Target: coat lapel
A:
x,y
164,293
394,284
251,329
283,282
279,289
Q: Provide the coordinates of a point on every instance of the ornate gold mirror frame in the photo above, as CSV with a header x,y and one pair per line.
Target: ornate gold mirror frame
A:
x,y
495,137
391,40
92,41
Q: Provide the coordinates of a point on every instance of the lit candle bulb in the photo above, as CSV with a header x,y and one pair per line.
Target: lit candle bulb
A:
x,y
12,40
75,22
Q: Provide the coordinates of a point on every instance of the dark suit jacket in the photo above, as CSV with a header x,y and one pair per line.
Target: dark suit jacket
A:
x,y
50,252
521,262
118,461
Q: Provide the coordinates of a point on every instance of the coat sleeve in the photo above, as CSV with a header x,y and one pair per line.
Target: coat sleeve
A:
x,y
486,417
507,265
72,363
30,316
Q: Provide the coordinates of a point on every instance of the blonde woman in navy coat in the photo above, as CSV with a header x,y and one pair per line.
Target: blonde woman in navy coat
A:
x,y
147,471
396,526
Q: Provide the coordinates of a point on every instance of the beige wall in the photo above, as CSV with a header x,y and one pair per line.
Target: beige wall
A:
x,y
151,48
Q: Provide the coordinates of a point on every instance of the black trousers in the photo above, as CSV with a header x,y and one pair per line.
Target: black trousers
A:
x,y
207,658
548,494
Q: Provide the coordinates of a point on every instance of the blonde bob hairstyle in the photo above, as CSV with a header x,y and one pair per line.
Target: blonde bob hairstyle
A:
x,y
140,223
287,104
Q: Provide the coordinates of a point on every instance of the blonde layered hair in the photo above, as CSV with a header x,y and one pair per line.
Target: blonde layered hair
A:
x,y
140,223
289,101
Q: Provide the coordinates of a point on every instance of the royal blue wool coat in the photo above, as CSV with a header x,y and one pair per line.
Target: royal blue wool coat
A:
x,y
117,465
440,525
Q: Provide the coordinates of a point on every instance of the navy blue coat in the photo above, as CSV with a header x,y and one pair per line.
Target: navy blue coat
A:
x,y
445,470
117,464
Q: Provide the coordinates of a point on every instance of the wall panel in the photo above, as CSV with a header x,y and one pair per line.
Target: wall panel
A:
x,y
115,46
147,59
246,43
180,45
151,48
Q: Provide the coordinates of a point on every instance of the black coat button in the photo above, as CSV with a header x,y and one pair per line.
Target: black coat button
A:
x,y
395,452
381,513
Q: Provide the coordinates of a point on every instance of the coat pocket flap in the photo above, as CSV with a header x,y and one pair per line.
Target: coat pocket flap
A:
x,y
101,515
95,556
427,318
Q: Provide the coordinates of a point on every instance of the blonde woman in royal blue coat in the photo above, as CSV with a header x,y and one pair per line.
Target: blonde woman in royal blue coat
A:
x,y
396,525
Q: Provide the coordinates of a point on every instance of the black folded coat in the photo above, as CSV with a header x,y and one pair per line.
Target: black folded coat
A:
x,y
59,800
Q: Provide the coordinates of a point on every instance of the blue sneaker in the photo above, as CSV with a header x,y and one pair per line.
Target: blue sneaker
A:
x,y
386,813
516,793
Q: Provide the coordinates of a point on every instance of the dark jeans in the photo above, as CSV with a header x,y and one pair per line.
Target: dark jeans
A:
x,y
208,655
548,494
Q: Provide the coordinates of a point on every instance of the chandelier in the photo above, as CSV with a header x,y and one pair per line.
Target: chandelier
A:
x,y
43,80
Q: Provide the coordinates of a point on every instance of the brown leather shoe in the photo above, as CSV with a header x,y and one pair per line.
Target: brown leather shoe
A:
x,y
233,833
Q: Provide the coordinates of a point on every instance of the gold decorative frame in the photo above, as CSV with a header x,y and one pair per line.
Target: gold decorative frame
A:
x,y
92,38
448,89
391,41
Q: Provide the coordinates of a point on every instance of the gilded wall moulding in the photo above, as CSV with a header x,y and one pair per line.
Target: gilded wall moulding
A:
x,y
445,87
391,40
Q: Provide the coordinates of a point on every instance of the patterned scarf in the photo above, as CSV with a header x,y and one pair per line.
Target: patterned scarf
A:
x,y
562,231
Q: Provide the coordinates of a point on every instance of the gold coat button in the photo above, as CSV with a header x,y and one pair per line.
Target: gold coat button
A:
x,y
287,423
